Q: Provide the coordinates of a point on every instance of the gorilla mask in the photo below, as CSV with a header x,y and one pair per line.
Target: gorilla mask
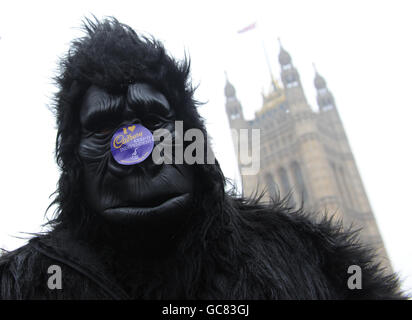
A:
x,y
143,191
112,78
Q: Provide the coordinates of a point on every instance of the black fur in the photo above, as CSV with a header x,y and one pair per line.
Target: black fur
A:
x,y
232,248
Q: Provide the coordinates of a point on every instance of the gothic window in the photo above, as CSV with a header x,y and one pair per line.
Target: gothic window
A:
x,y
292,84
346,186
234,116
271,186
342,185
338,182
286,187
291,77
327,107
328,101
300,184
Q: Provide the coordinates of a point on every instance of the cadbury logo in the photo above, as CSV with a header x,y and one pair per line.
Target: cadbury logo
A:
x,y
120,139
131,128
131,144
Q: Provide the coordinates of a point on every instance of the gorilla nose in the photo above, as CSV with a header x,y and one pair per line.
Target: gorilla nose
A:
x,y
131,147
145,167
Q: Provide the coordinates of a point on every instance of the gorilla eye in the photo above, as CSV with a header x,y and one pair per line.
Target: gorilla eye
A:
x,y
104,131
154,121
105,126
159,109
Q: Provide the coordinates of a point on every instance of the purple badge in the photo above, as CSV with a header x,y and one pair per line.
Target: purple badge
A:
x,y
132,144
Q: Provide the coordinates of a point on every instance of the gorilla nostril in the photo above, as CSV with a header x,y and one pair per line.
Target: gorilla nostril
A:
x,y
118,170
152,167
121,171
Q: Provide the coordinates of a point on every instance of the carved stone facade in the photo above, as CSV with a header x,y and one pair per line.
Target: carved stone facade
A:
x,y
305,153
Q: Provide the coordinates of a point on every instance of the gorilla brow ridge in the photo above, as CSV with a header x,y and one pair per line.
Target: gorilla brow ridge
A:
x,y
141,93
109,106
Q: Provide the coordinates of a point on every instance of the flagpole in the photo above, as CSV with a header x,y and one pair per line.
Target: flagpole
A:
x,y
267,60
255,26
268,64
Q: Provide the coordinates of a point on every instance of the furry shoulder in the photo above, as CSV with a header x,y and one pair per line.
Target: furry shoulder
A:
x,y
298,245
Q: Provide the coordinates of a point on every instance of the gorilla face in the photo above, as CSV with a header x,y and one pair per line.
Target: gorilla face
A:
x,y
142,194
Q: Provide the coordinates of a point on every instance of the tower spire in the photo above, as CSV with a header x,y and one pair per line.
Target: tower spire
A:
x,y
324,96
291,81
233,107
230,91
314,68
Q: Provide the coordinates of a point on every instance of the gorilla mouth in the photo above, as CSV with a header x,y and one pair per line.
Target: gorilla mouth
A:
x,y
149,208
151,202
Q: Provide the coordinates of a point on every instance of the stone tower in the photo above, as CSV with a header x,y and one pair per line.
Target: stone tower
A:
x,y
305,154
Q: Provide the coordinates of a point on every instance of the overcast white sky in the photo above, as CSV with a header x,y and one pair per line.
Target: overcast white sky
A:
x,y
362,48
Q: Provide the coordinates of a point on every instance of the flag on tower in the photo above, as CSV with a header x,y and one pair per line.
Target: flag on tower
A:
x,y
249,27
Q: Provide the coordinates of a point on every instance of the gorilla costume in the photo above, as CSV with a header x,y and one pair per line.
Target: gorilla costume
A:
x,y
168,231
